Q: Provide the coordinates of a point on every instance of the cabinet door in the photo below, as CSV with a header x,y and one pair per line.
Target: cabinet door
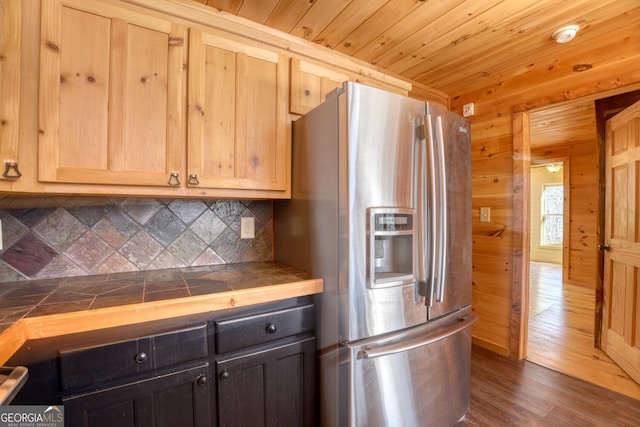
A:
x,y
10,15
268,388
310,84
175,399
111,94
237,118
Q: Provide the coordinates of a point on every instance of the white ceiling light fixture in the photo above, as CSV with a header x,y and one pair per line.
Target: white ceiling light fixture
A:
x,y
565,34
553,167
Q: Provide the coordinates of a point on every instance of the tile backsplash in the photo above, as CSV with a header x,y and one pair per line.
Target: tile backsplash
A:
x,y
116,235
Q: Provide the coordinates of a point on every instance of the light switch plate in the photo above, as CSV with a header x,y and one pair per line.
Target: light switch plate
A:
x,y
485,214
247,227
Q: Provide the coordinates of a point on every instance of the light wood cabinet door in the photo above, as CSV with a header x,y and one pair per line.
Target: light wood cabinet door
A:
x,y
237,118
111,95
310,84
10,44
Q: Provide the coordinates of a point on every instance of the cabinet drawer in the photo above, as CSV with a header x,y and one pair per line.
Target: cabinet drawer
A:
x,y
80,367
237,333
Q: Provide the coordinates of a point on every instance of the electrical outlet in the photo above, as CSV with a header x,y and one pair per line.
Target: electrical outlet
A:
x,y
247,227
485,214
468,110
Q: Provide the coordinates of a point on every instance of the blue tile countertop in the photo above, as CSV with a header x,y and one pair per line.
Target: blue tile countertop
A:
x,y
49,307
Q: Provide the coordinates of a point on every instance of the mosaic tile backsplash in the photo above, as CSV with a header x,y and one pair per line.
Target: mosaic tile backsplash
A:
x,y
130,234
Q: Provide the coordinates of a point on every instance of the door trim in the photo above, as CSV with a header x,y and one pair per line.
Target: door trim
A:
x,y
521,238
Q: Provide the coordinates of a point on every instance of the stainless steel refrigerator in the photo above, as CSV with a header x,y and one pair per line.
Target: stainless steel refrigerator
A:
x,y
381,210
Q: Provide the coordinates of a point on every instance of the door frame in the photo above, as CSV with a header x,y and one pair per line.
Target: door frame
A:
x,y
521,222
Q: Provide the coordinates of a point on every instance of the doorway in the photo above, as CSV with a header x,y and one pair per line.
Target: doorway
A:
x,y
546,230
547,206
562,293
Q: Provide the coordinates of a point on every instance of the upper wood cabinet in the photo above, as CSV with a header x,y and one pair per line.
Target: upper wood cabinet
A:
x,y
237,118
310,83
111,95
10,43
163,99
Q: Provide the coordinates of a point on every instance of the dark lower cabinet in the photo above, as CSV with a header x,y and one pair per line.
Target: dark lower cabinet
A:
x,y
175,399
269,387
243,367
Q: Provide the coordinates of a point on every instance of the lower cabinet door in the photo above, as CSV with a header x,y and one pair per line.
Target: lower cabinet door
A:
x,y
179,398
269,387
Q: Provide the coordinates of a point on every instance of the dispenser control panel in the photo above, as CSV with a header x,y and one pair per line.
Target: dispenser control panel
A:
x,y
393,221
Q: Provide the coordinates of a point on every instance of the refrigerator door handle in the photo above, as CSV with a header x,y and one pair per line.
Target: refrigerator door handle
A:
x,y
422,203
427,217
419,341
441,212
418,202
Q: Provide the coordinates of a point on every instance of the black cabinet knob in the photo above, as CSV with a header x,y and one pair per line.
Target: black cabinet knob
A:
x,y
202,380
272,328
224,375
141,357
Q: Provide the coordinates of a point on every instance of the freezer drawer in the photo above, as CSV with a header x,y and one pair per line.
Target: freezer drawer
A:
x,y
416,378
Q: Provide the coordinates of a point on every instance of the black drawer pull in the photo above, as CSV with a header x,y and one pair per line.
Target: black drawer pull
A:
x,y
141,357
202,380
272,329
224,375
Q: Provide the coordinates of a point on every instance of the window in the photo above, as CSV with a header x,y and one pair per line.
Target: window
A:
x,y
552,219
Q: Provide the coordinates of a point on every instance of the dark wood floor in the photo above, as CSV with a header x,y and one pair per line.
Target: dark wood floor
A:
x,y
509,393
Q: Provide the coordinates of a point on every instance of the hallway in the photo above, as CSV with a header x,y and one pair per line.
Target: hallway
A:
x,y
561,331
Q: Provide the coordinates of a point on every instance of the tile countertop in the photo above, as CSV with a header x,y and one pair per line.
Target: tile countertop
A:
x,y
50,307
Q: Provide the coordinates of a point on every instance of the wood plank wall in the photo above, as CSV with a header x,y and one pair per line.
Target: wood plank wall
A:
x,y
497,252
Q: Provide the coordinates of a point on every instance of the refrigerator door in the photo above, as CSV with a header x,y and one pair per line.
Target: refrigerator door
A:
x,y
376,150
414,378
449,211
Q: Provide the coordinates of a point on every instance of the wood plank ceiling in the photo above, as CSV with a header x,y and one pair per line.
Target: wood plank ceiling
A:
x,y
566,123
461,46
457,46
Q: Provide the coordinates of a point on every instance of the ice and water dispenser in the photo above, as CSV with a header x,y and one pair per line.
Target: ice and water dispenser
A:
x,y
391,247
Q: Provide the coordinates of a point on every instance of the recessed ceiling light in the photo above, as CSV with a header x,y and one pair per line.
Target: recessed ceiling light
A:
x,y
565,34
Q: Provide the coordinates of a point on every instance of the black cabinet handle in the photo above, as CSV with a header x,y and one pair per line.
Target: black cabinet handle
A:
x,y
141,357
202,380
272,329
224,375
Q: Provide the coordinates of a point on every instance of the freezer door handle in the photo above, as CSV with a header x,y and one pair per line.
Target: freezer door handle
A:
x,y
420,341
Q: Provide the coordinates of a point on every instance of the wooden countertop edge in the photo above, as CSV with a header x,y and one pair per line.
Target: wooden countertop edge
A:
x,y
87,320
